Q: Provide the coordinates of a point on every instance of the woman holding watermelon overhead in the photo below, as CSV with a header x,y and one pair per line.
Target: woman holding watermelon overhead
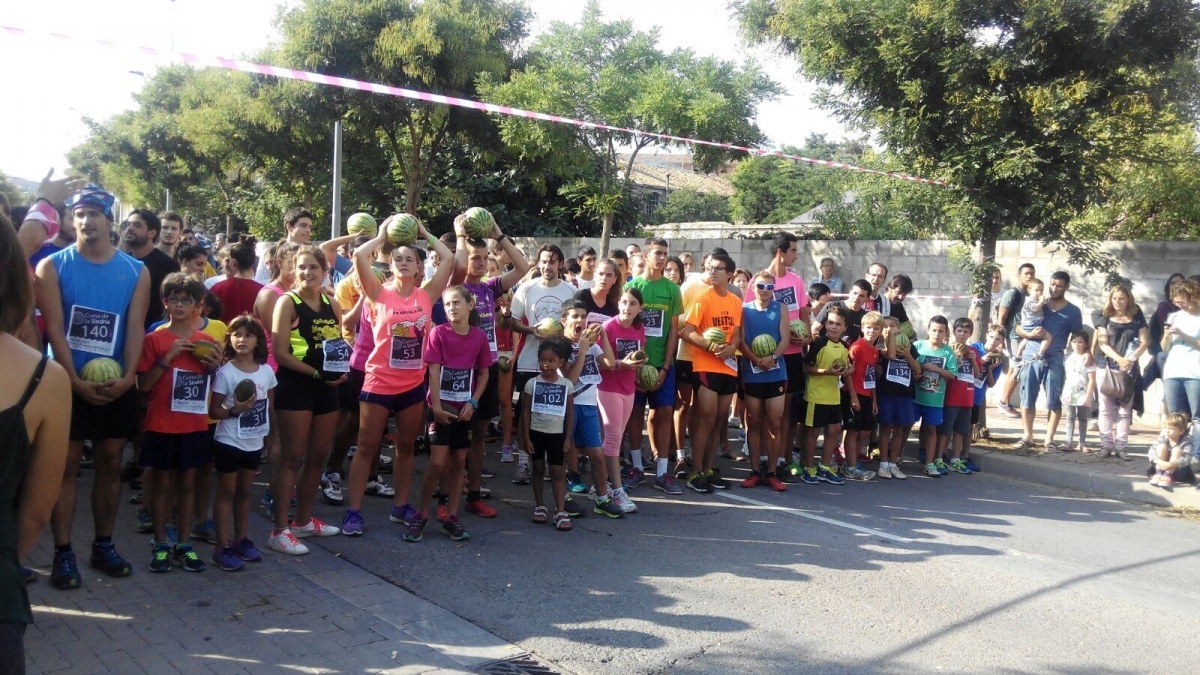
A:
x,y
764,380
399,313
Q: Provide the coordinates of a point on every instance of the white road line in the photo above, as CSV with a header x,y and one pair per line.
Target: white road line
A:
x,y
812,516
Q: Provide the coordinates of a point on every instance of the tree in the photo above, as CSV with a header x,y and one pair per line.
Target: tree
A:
x,y
686,205
16,196
609,73
1023,106
775,190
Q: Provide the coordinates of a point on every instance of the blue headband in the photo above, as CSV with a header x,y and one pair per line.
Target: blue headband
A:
x,y
94,196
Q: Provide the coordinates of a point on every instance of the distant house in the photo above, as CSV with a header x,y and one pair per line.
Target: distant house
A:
x,y
811,219
655,176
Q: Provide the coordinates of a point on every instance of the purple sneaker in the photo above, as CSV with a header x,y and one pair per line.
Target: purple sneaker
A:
x,y
224,558
246,550
352,523
402,514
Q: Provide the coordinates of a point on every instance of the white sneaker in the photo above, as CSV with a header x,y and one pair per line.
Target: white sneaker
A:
x,y
735,423
378,488
623,501
331,487
931,470
885,471
506,455
286,542
895,469
314,528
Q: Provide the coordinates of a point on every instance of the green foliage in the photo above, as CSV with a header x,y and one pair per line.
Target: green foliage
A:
x,y
774,190
689,206
16,196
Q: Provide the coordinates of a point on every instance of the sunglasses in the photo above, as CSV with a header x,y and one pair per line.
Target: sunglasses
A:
x,y
765,287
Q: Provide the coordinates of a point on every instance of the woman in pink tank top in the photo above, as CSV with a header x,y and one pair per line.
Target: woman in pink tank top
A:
x,y
281,260
400,316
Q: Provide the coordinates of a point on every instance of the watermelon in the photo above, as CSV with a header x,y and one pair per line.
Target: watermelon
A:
x,y
204,349
362,223
101,370
549,327
715,336
840,363
647,377
798,328
763,346
901,341
402,231
245,390
639,355
478,223
504,363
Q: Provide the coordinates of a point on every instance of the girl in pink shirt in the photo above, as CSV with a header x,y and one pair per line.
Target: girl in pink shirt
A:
x,y
399,314
623,336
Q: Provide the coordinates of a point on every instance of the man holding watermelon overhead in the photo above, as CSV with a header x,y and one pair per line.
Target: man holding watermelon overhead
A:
x,y
94,301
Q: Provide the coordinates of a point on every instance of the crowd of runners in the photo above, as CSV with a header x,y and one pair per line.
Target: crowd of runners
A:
x,y
326,367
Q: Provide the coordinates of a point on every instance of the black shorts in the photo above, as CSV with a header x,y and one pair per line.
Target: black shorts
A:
x,y
349,390
548,447
724,385
117,419
304,394
489,402
861,420
456,435
976,413
819,416
228,459
176,452
683,373
764,390
795,372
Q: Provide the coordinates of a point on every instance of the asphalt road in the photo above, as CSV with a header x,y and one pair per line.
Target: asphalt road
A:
x,y
958,574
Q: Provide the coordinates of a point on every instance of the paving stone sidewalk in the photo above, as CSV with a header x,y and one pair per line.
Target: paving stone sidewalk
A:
x,y
315,613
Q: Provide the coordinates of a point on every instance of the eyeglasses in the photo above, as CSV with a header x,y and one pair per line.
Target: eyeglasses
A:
x,y
765,287
177,300
710,270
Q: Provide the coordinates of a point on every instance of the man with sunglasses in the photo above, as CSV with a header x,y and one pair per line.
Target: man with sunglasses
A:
x,y
790,292
94,300
139,238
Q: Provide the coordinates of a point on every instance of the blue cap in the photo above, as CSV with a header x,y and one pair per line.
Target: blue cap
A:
x,y
94,196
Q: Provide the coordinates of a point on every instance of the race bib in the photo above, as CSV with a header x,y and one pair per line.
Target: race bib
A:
x,y
652,319
456,384
731,363
591,371
406,352
254,423
337,356
930,381
898,372
93,330
626,347
787,298
549,398
189,392
869,377
489,329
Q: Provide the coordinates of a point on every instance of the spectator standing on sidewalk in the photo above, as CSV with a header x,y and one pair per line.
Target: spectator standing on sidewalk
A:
x,y
1006,315
827,277
1181,342
1121,337
1062,318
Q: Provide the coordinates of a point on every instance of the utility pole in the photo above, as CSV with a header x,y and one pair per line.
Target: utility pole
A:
x,y
336,212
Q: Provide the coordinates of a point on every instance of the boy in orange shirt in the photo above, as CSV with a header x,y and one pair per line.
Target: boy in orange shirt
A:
x,y
860,395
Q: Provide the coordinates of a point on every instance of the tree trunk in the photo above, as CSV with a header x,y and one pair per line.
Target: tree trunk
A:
x,y
606,233
981,307
229,227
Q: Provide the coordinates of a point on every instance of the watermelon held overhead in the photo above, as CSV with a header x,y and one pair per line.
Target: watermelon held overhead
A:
x,y
402,231
362,223
478,223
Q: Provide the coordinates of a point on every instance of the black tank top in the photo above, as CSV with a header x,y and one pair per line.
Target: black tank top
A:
x,y
14,462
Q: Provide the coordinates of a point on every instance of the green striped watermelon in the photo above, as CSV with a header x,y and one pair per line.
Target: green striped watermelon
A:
x,y
478,223
763,346
101,370
715,336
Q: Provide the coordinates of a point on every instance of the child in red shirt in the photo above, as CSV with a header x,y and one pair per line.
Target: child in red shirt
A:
x,y
955,431
864,356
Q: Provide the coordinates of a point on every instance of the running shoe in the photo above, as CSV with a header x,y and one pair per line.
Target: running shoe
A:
x,y
941,466
572,508
667,484
185,557
885,471
522,477
106,559
921,455
698,484
378,488
28,575
486,473
959,466
752,481
64,573
443,512
775,484
454,529
402,514
715,481
931,470
480,508
160,558
137,498
314,528
735,423
829,475
416,529
623,501
971,464
267,500
206,532
784,474
352,523
226,559
607,506
1009,411
896,472
387,442
331,488
506,455
636,476
350,453
858,473
172,535
575,483
144,523
809,475
286,542
246,550
796,469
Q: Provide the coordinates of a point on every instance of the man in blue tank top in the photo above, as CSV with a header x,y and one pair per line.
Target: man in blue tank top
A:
x,y
94,299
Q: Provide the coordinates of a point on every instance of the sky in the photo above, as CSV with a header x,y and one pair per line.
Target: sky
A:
x,y
98,83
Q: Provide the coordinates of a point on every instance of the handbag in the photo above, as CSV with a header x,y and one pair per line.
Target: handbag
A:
x,y
1115,384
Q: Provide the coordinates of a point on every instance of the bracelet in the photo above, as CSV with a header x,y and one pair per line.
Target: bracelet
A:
x,y
501,238
431,240
162,365
316,375
474,403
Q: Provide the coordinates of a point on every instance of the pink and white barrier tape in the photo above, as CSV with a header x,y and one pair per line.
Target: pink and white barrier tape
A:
x,y
346,83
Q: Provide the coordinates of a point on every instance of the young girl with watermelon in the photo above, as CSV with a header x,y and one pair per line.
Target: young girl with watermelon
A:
x,y
243,403
764,379
623,342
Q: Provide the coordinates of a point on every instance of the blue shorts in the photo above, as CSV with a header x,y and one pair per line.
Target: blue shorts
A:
x,y
1035,376
896,411
929,415
663,397
394,403
587,426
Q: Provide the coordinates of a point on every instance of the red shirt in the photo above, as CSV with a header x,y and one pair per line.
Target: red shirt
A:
x,y
183,387
237,297
866,360
961,392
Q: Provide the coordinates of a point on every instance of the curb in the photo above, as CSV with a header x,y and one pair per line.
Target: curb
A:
x,y
1127,488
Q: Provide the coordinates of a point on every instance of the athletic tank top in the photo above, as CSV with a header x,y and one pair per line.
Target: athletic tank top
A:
x,y
95,300
267,328
316,339
14,462
400,325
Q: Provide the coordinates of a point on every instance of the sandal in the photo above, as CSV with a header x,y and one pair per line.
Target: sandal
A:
x,y
562,522
540,515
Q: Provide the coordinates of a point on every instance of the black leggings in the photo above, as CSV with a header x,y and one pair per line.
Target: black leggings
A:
x,y
12,648
547,447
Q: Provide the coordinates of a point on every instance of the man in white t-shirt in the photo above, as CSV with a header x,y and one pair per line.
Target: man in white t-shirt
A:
x,y
587,267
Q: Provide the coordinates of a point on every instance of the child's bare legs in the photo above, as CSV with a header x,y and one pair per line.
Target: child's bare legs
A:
x,y
599,466
227,485
929,437
433,474
832,433
558,486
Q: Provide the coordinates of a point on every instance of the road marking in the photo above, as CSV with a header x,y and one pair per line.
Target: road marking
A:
x,y
812,516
